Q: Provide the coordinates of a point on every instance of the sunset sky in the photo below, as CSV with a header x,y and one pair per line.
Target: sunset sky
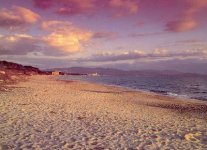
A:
x,y
124,34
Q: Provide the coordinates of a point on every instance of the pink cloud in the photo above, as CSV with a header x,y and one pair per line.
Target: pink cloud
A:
x,y
63,39
17,16
194,6
65,36
86,4
182,25
127,5
187,21
56,25
72,7
43,3
67,7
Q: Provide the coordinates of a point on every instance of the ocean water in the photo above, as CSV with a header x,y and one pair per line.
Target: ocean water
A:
x,y
179,86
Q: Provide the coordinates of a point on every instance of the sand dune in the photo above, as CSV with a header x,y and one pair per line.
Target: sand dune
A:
x,y
43,113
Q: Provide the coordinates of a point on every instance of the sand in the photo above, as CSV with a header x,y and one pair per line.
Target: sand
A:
x,y
43,113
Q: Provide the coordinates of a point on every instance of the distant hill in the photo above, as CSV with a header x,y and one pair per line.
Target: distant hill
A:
x,y
82,70
110,71
5,65
12,72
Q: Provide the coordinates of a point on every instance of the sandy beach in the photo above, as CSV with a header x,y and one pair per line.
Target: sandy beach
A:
x,y
43,113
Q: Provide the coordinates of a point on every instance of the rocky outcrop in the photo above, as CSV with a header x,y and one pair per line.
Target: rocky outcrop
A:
x,y
4,65
12,72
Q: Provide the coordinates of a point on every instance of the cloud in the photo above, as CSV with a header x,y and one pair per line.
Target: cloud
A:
x,y
43,3
187,21
70,42
194,7
65,36
73,7
56,25
105,35
43,62
138,54
67,7
63,39
18,44
17,17
181,25
127,5
145,34
86,7
181,65
24,44
190,41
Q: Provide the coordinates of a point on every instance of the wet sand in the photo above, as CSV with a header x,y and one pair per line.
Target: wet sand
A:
x,y
43,113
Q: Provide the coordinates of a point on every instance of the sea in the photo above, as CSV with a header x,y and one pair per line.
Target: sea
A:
x,y
194,87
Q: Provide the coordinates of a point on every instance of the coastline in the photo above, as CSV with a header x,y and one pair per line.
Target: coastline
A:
x,y
47,113
162,90
148,92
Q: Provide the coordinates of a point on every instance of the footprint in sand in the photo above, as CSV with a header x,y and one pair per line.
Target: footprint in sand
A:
x,y
192,137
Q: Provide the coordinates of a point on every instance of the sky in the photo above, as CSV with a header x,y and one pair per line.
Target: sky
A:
x,y
123,34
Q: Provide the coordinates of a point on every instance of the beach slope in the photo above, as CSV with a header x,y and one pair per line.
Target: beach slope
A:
x,y
43,113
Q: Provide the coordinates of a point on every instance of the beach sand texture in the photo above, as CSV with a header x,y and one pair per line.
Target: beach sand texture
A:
x,y
43,113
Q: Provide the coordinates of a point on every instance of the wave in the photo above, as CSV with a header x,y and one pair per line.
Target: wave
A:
x,y
176,87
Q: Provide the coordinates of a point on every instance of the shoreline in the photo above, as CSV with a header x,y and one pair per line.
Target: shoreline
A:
x,y
178,97
45,113
178,104
164,91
